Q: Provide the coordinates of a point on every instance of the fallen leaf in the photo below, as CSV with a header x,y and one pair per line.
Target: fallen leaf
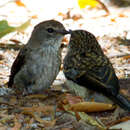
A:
x,y
113,20
17,124
37,96
91,107
126,57
89,119
23,26
19,3
6,29
117,121
122,15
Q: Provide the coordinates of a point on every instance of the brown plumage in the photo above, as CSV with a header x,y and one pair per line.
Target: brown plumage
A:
x,y
86,64
38,62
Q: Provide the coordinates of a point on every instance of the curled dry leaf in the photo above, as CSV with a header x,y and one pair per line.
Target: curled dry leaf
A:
x,y
65,99
91,107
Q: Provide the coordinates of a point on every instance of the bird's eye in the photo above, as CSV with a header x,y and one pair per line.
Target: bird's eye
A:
x,y
50,30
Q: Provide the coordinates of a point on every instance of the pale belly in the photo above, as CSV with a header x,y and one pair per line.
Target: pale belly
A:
x,y
39,72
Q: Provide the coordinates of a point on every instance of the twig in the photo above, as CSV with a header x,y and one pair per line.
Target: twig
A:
x,y
118,56
10,46
104,7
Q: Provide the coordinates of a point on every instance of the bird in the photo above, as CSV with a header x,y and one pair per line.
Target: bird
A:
x,y
86,64
38,62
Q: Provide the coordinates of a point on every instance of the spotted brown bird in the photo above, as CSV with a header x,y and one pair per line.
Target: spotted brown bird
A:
x,y
38,62
86,65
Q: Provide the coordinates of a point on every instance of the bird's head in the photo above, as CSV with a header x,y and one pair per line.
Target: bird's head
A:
x,y
48,32
81,39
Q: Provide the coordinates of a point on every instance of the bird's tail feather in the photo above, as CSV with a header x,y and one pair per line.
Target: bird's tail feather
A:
x,y
122,101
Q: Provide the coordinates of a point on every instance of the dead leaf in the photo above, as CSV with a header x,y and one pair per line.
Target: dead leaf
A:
x,y
37,96
89,119
91,107
113,20
66,98
17,124
122,15
19,3
126,57
117,121
46,110
34,17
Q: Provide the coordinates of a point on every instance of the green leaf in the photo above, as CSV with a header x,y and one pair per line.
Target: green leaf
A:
x,y
90,120
86,118
23,26
6,29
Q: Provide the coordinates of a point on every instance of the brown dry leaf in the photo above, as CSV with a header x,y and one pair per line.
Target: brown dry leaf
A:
x,y
77,17
73,99
47,110
17,124
77,116
29,123
34,17
40,120
15,41
91,107
126,57
6,118
13,100
2,127
47,123
19,3
117,121
66,98
39,96
122,15
66,129
113,20
35,116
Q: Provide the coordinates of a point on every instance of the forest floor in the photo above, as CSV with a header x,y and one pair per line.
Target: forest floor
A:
x,y
112,30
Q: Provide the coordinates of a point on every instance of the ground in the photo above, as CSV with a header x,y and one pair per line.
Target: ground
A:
x,y
113,33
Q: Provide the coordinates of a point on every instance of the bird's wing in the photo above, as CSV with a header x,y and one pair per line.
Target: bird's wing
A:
x,y
18,63
105,80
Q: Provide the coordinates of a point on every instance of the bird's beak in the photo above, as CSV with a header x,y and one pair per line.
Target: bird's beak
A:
x,y
70,31
63,31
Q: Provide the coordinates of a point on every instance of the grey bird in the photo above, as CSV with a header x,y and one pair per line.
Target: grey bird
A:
x,y
38,62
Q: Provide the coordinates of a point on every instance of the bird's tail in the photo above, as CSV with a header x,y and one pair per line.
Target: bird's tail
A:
x,y
122,101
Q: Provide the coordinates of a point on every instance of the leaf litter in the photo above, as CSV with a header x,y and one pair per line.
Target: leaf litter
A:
x,y
54,110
